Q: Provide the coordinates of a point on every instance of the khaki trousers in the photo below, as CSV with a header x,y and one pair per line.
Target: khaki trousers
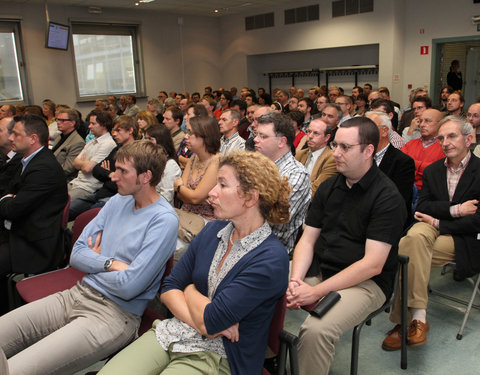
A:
x,y
427,249
145,356
65,332
316,347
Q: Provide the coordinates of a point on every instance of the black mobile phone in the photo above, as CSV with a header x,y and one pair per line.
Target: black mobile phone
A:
x,y
325,304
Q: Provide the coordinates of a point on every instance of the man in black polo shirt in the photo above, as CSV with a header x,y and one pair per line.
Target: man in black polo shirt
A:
x,y
349,245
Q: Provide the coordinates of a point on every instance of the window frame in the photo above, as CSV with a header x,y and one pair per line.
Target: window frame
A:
x,y
14,24
109,27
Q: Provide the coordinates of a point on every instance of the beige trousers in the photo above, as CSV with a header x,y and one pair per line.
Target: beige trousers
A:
x,y
316,347
427,249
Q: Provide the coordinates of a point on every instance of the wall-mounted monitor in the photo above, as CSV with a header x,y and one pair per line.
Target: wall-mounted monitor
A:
x,y
57,36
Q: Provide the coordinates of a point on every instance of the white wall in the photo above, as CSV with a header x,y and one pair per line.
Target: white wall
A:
x,y
394,25
215,50
51,73
439,19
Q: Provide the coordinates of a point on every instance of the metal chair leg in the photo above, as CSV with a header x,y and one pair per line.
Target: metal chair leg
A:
x,y
469,307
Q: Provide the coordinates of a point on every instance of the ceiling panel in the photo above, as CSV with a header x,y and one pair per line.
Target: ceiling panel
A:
x,y
193,7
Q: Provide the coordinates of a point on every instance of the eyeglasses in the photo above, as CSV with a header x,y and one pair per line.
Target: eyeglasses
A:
x,y
189,133
62,119
343,146
341,103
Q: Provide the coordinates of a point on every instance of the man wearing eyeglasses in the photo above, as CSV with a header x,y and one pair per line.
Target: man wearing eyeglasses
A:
x,y
346,104
318,157
69,145
473,117
419,105
447,230
274,139
348,245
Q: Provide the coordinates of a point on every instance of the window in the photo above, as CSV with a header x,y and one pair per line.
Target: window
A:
x,y
12,73
106,60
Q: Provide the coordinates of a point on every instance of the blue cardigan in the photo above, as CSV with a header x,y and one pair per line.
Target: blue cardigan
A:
x,y
248,294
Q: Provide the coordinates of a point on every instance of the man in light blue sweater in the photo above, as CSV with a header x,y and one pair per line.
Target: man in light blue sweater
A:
x,y
124,251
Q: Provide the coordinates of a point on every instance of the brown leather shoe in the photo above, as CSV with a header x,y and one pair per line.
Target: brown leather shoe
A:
x,y
417,333
393,341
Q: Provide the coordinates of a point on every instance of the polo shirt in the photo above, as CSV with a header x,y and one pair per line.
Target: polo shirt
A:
x,y
372,208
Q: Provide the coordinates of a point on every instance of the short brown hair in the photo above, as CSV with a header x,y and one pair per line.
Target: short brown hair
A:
x,y
145,156
207,128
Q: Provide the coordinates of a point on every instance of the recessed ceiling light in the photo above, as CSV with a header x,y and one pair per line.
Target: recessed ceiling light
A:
x,y
216,10
146,1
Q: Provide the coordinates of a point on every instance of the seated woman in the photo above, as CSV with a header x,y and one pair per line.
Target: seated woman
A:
x,y
193,110
224,290
145,119
297,122
199,176
160,135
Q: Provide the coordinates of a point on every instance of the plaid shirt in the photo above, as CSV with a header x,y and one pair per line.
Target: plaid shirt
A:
x,y
300,197
233,143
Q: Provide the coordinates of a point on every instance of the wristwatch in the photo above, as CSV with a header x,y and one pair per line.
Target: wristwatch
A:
x,y
107,264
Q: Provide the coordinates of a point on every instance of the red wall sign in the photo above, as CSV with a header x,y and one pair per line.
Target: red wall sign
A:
x,y
423,50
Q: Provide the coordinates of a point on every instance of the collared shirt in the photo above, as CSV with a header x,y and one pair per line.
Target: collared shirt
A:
x,y
312,159
96,150
395,139
299,180
380,154
10,156
184,338
306,124
371,209
428,143
26,160
233,143
344,118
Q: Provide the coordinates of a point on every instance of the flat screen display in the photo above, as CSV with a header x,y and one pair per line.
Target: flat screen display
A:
x,y
57,36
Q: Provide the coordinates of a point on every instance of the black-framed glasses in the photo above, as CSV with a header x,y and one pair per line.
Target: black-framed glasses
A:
x,y
62,119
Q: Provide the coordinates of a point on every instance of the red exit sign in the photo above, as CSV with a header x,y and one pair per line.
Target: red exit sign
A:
x,y
423,50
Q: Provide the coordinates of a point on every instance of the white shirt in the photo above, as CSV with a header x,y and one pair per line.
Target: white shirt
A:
x,y
312,160
96,150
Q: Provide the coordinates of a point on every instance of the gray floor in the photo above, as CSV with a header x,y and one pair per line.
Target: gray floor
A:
x,y
442,354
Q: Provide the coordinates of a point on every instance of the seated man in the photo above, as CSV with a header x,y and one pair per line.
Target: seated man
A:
x,y
419,105
426,149
31,239
399,167
125,130
353,254
124,251
318,157
94,152
448,227
69,145
231,140
274,139
9,159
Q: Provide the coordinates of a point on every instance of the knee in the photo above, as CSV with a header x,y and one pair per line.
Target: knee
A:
x,y
314,331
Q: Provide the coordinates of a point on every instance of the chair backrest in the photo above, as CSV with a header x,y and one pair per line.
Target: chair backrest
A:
x,y
66,210
276,325
81,222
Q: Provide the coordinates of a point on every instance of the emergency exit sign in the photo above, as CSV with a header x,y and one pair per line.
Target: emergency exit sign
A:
x,y
423,50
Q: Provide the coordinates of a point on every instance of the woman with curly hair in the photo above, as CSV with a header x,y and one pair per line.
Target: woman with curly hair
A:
x,y
224,290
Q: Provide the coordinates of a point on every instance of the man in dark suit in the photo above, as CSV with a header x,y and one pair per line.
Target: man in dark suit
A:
x,y
9,159
448,227
31,238
399,167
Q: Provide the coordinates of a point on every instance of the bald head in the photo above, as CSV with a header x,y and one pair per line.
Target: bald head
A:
x,y
473,116
429,120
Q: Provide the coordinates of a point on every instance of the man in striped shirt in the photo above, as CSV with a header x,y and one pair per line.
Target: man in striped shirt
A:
x,y
274,139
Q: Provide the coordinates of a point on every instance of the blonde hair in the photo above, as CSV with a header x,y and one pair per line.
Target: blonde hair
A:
x,y
150,119
255,171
